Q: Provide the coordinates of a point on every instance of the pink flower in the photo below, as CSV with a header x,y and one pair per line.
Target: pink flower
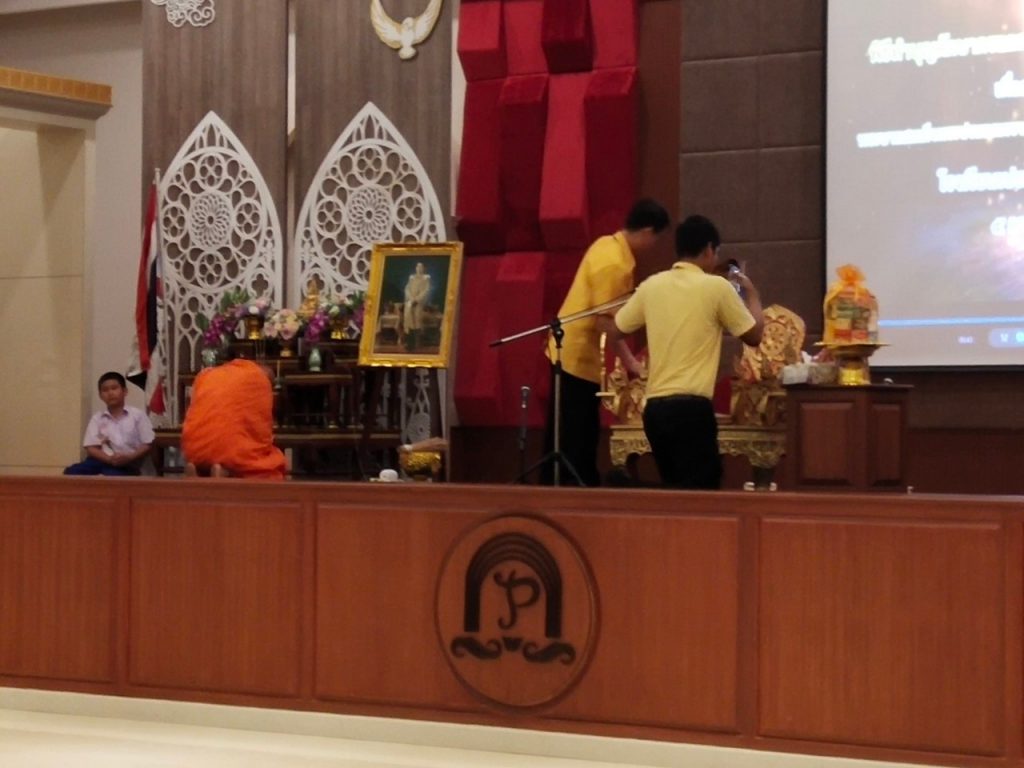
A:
x,y
284,324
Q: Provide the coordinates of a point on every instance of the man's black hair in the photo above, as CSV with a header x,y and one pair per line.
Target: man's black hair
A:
x,y
112,376
647,213
694,235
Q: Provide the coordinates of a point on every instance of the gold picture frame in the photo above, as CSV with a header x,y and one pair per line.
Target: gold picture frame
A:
x,y
410,305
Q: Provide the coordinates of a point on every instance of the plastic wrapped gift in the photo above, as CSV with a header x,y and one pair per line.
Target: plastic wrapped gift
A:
x,y
851,310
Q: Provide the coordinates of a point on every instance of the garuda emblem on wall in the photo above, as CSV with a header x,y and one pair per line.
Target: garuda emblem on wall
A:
x,y
409,32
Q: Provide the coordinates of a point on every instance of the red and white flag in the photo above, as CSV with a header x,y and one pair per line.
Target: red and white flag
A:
x,y
147,367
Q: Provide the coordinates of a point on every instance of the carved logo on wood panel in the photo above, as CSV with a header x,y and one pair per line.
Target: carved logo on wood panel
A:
x,y
516,611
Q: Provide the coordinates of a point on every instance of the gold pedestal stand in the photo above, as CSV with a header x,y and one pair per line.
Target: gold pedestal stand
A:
x,y
253,327
852,361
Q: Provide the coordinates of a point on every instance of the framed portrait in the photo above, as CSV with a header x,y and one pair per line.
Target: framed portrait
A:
x,y
410,304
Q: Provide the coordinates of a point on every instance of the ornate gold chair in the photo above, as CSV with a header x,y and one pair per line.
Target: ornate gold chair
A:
x,y
755,428
758,398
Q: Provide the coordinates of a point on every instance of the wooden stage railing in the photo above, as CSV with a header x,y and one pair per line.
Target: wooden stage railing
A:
x,y
880,627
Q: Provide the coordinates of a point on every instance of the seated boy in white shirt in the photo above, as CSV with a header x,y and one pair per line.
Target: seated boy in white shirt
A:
x,y
117,439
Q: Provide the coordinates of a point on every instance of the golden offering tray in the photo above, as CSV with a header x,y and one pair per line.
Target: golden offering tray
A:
x,y
421,465
424,460
852,361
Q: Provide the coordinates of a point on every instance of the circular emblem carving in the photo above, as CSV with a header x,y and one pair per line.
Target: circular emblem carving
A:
x,y
210,220
516,611
369,214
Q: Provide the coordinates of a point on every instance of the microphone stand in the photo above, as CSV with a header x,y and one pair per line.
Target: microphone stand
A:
x,y
557,459
524,400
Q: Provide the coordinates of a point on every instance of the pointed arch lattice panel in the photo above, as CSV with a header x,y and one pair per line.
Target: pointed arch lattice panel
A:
x,y
370,188
219,231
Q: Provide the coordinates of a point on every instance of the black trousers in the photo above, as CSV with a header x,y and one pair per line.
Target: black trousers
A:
x,y
581,428
683,435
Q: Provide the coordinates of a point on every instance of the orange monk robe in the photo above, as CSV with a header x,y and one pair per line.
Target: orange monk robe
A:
x,y
230,422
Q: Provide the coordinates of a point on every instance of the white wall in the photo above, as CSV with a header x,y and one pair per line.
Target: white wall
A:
x,y
101,42
42,256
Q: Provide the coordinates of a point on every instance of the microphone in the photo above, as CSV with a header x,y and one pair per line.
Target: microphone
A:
x,y
524,395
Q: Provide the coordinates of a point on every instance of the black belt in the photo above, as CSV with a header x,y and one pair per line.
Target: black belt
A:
x,y
667,398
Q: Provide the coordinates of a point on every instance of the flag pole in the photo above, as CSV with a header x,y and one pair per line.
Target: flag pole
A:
x,y
171,379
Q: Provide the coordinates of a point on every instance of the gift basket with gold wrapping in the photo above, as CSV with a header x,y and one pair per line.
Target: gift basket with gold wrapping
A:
x,y
850,334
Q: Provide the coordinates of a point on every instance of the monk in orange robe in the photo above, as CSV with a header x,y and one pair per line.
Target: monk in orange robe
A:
x,y
230,424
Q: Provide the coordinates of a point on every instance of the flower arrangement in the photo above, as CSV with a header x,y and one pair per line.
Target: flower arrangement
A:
x,y
345,310
217,329
283,324
316,325
222,324
235,305
260,307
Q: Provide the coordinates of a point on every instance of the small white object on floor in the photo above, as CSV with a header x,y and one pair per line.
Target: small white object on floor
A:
x,y
388,476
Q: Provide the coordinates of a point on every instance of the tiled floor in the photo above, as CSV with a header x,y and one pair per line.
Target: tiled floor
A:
x,y
57,730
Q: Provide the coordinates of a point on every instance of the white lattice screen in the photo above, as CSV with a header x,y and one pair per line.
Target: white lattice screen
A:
x,y
370,188
219,231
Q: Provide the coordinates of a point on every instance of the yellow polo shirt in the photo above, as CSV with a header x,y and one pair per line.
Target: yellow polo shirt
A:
x,y
606,273
685,311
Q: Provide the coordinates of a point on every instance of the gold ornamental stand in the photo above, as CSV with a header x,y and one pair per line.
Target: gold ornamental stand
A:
x,y
852,361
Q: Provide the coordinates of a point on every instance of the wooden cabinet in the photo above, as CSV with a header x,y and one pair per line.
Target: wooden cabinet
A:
x,y
847,438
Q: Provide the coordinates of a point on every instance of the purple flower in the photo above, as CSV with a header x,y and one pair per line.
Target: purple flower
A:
x,y
316,326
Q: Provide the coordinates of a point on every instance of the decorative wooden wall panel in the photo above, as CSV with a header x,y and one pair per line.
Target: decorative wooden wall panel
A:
x,y
236,66
375,587
885,626
668,627
965,460
759,173
217,594
927,676
58,622
340,64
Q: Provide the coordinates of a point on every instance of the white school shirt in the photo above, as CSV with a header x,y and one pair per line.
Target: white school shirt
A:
x,y
124,434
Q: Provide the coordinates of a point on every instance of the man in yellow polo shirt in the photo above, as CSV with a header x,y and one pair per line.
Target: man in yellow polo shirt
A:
x,y
605,274
685,310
